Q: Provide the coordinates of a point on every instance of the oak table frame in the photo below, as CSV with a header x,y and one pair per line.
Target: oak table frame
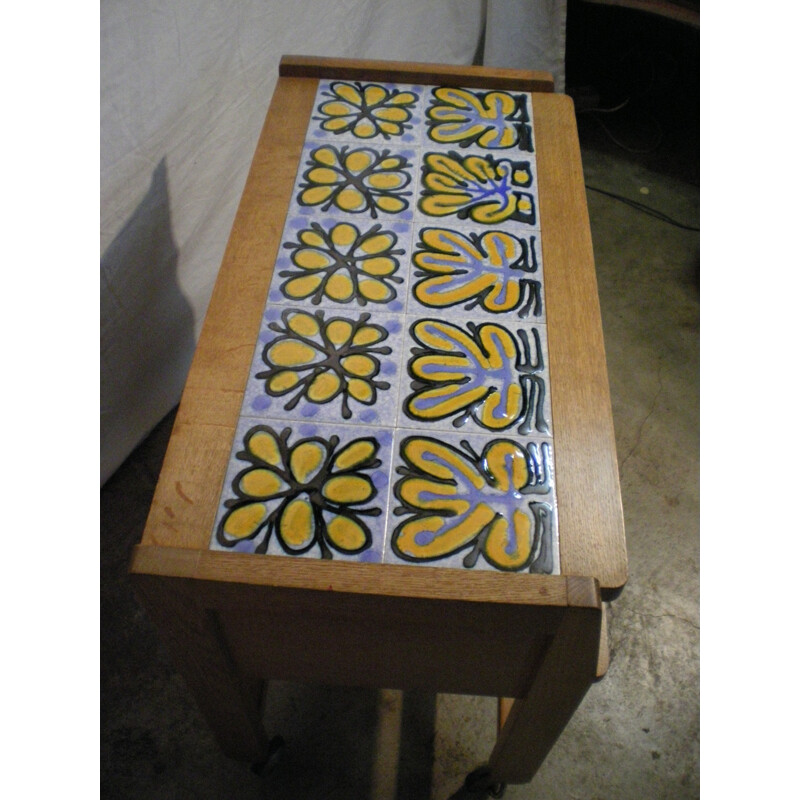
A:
x,y
232,621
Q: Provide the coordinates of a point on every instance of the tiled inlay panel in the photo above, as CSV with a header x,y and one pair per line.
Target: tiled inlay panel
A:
x,y
300,488
398,404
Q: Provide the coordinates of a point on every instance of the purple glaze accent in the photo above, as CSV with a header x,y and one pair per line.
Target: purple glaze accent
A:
x,y
260,403
425,403
396,305
511,546
380,480
384,437
247,546
400,227
309,411
423,538
408,137
438,367
297,223
370,556
368,416
389,368
265,336
431,497
307,430
393,326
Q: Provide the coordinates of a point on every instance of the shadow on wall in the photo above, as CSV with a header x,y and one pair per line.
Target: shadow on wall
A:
x,y
146,327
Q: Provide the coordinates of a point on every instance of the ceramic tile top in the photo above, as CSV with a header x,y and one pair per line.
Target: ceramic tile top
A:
x,y
367,112
492,120
461,268
473,501
398,404
357,181
475,375
306,489
333,262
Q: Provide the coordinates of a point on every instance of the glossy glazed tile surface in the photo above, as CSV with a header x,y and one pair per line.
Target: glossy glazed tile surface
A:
x,y
475,374
483,502
464,269
328,365
306,489
334,262
398,404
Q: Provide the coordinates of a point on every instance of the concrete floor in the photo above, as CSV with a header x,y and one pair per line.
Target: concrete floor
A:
x,y
636,734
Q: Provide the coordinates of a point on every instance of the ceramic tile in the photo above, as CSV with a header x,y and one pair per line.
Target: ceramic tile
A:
x,y
334,262
306,489
466,270
398,403
326,366
366,112
473,501
487,189
485,119
360,181
476,375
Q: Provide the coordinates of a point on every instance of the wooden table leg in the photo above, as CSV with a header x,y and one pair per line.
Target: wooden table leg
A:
x,y
229,701
604,654
534,722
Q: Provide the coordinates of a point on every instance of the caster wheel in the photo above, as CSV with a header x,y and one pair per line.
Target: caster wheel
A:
x,y
479,786
275,751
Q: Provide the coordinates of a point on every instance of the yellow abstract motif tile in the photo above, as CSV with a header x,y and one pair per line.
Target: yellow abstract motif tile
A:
x,y
337,262
326,366
492,120
494,271
366,110
356,180
316,489
480,188
488,498
480,373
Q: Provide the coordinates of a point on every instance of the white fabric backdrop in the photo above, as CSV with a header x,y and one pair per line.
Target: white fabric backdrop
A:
x,y
527,34
185,86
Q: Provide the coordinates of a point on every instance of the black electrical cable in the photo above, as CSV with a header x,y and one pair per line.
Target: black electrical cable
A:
x,y
644,209
641,151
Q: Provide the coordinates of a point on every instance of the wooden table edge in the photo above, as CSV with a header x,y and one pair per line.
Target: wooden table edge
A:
x,y
393,580
299,66
581,422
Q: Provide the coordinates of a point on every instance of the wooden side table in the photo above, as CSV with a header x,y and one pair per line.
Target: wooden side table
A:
x,y
232,620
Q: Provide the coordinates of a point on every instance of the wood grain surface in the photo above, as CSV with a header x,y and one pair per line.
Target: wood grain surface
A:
x,y
591,525
367,579
562,678
404,72
366,627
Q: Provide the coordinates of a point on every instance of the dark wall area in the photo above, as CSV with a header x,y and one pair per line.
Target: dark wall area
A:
x,y
635,79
